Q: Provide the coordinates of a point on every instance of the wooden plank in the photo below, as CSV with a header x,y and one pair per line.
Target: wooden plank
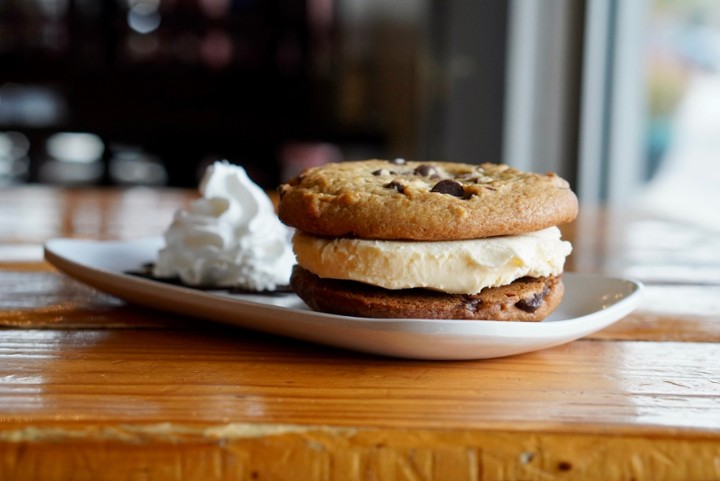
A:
x,y
91,388
257,452
229,375
33,214
41,299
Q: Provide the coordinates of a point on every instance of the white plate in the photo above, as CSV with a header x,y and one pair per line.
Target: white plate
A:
x,y
591,303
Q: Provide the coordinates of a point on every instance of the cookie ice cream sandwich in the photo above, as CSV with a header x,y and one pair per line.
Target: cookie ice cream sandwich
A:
x,y
440,240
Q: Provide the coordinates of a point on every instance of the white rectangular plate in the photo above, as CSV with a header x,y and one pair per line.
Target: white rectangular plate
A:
x,y
591,303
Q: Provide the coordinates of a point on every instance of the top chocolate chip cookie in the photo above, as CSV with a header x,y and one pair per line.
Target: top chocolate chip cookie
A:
x,y
379,199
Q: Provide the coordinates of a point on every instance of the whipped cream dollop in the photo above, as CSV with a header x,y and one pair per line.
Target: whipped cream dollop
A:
x,y
456,267
229,237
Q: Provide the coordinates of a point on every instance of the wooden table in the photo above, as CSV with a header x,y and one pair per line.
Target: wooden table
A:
x,y
92,388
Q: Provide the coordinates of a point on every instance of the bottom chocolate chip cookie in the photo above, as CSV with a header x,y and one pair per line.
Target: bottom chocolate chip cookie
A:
x,y
526,299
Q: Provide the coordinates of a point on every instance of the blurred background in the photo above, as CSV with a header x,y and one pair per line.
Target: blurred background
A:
x,y
620,97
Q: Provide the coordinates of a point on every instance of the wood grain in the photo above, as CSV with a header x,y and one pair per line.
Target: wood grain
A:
x,y
236,453
228,404
33,214
46,299
226,375
93,388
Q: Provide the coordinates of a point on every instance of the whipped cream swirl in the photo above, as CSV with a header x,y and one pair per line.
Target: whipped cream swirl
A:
x,y
230,237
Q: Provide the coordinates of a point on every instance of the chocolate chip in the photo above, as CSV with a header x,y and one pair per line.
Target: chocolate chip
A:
x,y
450,187
398,161
395,185
472,304
425,170
531,304
384,172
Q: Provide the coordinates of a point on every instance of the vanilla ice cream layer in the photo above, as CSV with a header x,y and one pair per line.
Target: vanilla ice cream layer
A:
x,y
456,267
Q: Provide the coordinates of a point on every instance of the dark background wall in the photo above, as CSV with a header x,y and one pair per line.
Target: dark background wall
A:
x,y
274,85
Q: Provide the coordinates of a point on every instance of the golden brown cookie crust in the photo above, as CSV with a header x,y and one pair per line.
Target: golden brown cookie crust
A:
x,y
378,199
526,299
